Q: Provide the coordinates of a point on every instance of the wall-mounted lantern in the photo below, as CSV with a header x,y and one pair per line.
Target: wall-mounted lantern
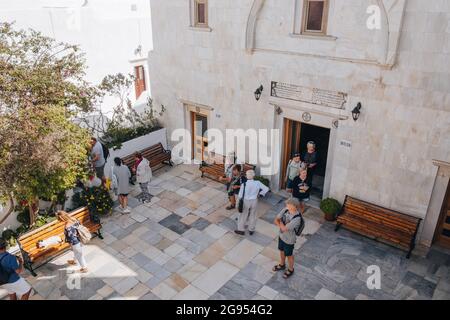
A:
x,y
357,111
258,92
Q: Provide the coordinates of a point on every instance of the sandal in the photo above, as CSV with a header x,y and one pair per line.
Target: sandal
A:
x,y
288,273
279,267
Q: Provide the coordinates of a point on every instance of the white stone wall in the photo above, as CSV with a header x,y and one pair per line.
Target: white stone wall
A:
x,y
405,120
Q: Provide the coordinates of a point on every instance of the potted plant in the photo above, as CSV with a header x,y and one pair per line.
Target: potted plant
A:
x,y
330,207
97,199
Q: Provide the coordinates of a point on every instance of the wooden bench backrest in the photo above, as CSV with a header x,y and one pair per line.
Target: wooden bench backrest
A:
x,y
383,215
29,240
155,154
219,163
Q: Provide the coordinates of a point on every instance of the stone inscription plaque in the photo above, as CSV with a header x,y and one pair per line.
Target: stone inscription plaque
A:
x,y
327,98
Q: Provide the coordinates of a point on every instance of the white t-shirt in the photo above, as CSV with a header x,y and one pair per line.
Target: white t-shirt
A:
x,y
98,150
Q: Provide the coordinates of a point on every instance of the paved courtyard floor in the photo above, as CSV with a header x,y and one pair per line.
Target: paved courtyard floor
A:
x,y
182,246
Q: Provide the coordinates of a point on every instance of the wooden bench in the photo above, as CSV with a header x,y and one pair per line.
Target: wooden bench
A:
x,y
156,155
35,257
379,223
216,168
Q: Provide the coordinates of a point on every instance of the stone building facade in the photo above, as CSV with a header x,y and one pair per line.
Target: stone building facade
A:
x,y
391,56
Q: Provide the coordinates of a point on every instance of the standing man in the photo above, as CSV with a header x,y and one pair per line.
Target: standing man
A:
x,y
10,268
288,220
310,158
250,191
97,158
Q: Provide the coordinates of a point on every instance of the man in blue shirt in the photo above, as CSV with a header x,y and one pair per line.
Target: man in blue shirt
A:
x,y
12,265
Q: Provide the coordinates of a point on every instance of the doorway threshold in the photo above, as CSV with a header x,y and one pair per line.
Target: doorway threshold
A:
x,y
313,202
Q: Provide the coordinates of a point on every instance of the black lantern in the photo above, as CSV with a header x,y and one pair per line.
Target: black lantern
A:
x,y
258,92
357,111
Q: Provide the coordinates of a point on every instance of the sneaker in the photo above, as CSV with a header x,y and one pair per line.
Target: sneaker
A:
x,y
241,233
127,210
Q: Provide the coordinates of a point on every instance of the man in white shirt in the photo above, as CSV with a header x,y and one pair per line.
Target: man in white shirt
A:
x,y
250,191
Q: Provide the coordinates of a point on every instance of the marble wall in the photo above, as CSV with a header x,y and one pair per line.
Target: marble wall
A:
x,y
401,75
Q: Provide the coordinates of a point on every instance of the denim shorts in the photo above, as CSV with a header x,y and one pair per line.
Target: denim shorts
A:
x,y
288,249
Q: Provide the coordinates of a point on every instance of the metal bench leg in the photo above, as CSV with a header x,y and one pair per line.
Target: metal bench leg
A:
x,y
338,226
29,267
99,234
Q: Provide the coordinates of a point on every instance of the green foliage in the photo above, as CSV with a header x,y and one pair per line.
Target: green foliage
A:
x,y
23,217
330,206
96,199
128,124
9,236
263,180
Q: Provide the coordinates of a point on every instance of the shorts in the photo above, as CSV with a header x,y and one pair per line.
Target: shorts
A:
x,y
20,287
289,184
288,249
233,192
100,171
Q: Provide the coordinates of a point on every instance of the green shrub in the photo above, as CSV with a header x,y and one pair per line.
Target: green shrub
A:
x,y
263,180
24,217
22,230
127,124
9,236
97,199
330,206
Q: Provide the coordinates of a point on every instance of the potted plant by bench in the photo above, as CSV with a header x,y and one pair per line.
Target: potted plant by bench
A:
x,y
330,207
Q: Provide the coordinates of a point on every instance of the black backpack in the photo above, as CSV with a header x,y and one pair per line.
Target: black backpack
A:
x,y
4,275
105,151
299,230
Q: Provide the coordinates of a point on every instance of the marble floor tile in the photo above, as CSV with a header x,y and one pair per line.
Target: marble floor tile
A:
x,y
215,277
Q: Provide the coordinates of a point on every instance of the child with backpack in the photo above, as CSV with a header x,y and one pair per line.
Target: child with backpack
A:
x,y
291,224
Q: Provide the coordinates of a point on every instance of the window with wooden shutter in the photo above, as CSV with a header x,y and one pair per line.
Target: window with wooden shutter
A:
x,y
139,80
201,13
315,17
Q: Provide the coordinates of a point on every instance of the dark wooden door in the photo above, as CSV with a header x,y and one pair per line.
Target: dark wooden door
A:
x,y
443,231
291,143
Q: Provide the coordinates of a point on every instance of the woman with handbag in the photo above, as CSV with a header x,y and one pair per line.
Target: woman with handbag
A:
x,y
248,202
75,234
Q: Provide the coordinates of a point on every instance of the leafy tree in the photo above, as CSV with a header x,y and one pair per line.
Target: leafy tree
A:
x,y
42,151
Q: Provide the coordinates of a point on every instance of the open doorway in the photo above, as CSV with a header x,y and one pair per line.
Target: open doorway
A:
x,y
442,235
199,125
296,137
